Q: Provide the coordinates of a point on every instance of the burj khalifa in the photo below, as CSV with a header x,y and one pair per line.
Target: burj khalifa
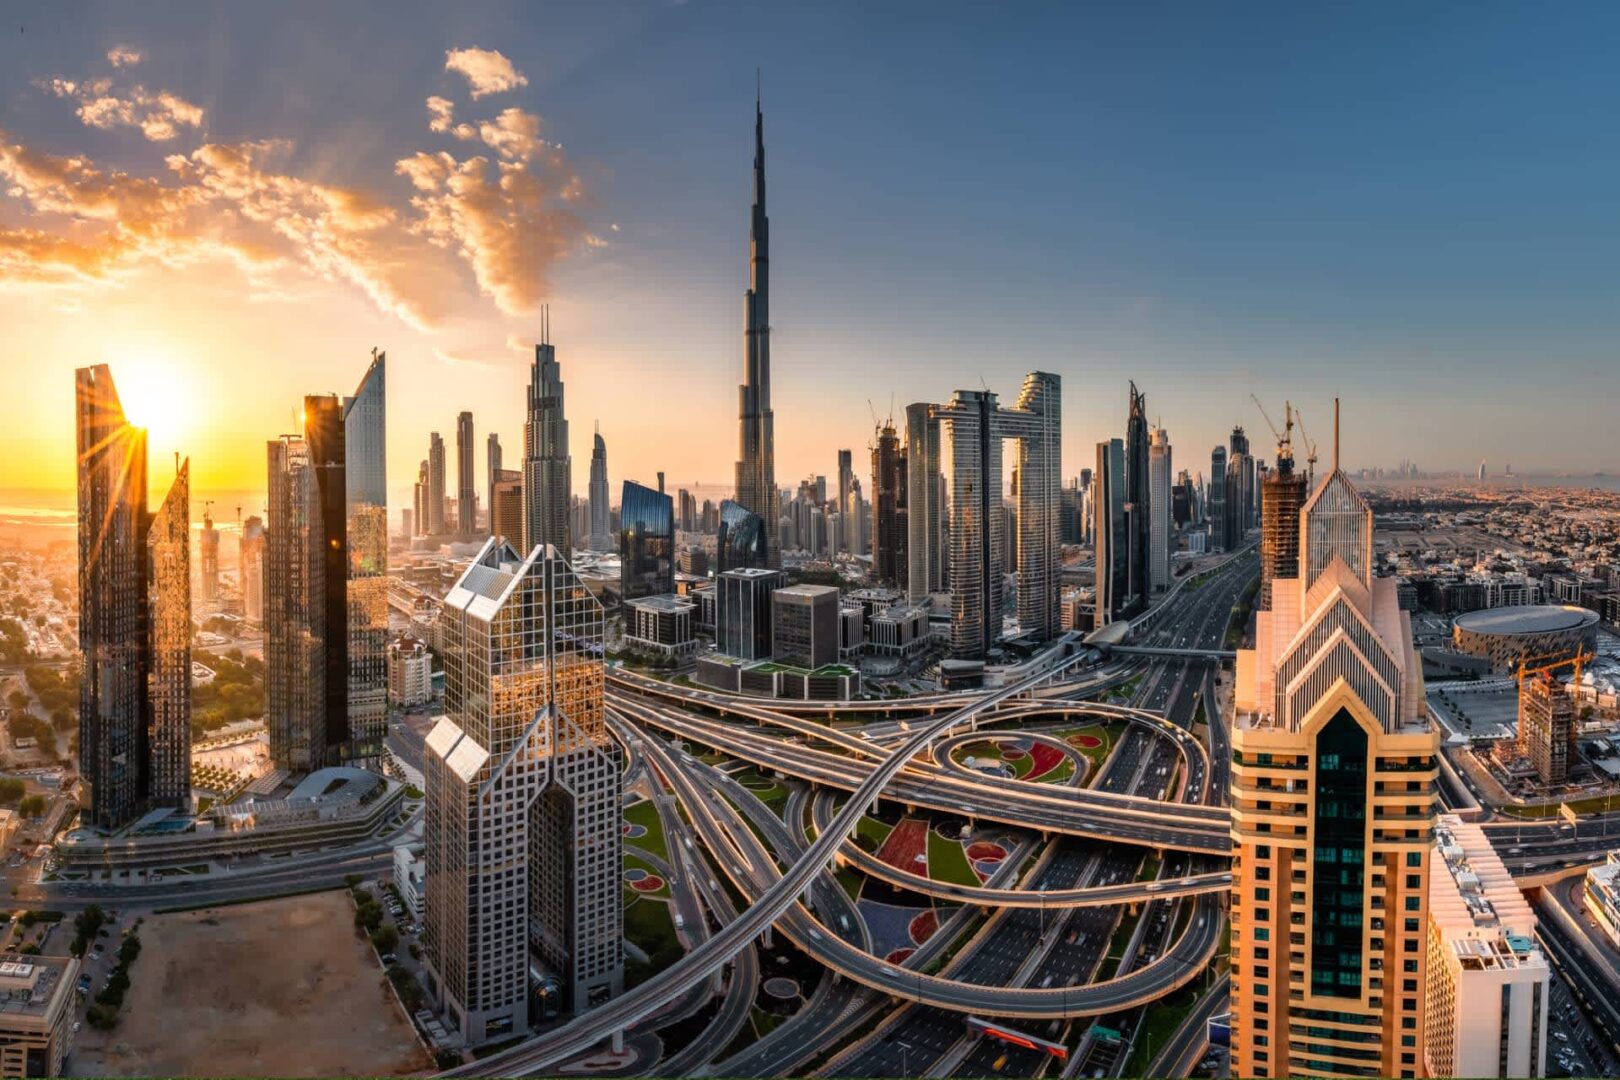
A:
x,y
756,452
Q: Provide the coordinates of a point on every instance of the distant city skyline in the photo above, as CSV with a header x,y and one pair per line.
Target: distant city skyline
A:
x,y
1208,222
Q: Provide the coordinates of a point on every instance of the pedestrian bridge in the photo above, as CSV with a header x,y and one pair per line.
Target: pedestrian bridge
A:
x,y
1175,654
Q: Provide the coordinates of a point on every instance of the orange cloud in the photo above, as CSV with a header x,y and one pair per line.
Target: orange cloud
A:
x,y
158,114
486,70
124,56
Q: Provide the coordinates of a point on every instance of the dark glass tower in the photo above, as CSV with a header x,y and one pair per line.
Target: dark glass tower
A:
x,y
134,616
741,544
1138,505
646,542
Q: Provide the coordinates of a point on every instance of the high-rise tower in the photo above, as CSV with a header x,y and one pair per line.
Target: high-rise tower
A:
x,y
1112,572
547,466
1138,505
434,510
925,504
1160,530
756,449
466,499
601,533
134,616
1333,813
208,548
365,462
492,475
521,833
888,502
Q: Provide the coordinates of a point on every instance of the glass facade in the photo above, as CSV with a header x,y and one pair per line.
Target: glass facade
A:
x,y
365,436
168,680
742,543
646,542
1340,847
294,617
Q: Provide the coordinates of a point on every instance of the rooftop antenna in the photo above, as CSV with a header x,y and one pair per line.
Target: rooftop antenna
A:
x,y
1335,434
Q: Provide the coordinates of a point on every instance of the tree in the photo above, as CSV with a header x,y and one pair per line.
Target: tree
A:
x,y
33,806
385,938
12,790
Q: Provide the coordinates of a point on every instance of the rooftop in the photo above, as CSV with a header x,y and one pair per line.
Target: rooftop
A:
x,y
1476,906
1527,619
662,602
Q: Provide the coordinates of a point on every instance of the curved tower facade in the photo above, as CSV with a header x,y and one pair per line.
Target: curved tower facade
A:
x,y
600,540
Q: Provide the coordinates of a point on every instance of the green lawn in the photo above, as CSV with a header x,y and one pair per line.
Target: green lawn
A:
x,y
990,750
850,879
1058,775
649,925
1160,1022
645,814
948,862
1109,733
875,829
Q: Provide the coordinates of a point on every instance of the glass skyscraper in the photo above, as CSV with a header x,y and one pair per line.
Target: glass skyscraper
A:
x,y
134,616
365,437
646,542
742,543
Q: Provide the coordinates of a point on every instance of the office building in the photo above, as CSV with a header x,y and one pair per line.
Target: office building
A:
x,y
547,466
208,552
1240,492
846,488
1601,896
37,1009
741,542
134,616
1216,509
600,537
250,562
898,631
1109,532
646,542
925,504
410,673
1486,992
521,834
492,475
743,611
662,624
1547,727
365,457
1332,796
686,512
466,500
1161,530
506,506
756,455
804,625
972,428
888,501
1138,506
435,524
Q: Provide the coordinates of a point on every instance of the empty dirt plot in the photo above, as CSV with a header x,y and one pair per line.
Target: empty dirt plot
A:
x,y
275,988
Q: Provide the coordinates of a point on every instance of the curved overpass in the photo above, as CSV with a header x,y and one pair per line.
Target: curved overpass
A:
x,y
581,1033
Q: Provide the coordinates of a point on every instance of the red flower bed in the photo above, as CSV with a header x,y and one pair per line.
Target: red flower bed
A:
x,y
1045,758
984,849
908,840
650,883
923,926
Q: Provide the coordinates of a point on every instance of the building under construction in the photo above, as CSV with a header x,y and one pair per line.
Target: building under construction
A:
x,y
1547,726
1283,492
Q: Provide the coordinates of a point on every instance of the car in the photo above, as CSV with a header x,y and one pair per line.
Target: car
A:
x,y
76,1025
388,958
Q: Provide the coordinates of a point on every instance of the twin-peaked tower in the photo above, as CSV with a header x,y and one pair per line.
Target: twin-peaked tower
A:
x,y
756,445
1332,798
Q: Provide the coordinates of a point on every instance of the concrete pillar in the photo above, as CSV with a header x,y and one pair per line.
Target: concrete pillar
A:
x,y
618,1041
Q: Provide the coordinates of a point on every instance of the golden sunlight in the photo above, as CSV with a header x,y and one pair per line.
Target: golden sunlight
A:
x,y
159,394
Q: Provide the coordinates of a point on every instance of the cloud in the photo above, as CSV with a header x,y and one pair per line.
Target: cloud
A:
x,y
514,134
124,56
487,71
158,114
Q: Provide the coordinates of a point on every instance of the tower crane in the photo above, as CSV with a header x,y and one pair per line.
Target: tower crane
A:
x,y
1546,663
1310,450
1285,437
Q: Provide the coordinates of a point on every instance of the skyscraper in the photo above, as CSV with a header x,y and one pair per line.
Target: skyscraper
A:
x,y
1109,534
466,500
492,471
506,505
250,558
600,538
1138,498
888,495
849,542
434,510
134,616
925,504
208,549
1333,797
972,428
756,456
1279,516
294,615
1160,530
365,458
547,466
646,542
324,430
521,833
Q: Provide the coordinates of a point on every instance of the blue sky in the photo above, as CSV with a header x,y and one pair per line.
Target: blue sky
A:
x,y
1412,207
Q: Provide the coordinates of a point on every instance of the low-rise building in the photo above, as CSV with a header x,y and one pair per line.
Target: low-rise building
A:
x,y
661,624
1602,896
409,872
898,631
851,630
1486,992
805,625
36,1014
410,672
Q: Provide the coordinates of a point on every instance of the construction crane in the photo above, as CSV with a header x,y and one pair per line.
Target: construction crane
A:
x,y
1310,450
207,506
1285,437
1547,663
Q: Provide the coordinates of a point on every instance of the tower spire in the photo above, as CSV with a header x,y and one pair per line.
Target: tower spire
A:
x,y
1335,434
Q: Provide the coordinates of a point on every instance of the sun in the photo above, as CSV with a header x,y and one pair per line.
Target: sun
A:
x,y
159,394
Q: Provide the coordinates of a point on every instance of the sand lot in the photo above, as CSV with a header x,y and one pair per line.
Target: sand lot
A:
x,y
278,988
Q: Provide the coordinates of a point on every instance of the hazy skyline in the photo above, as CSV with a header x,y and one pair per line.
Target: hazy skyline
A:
x,y
1410,209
